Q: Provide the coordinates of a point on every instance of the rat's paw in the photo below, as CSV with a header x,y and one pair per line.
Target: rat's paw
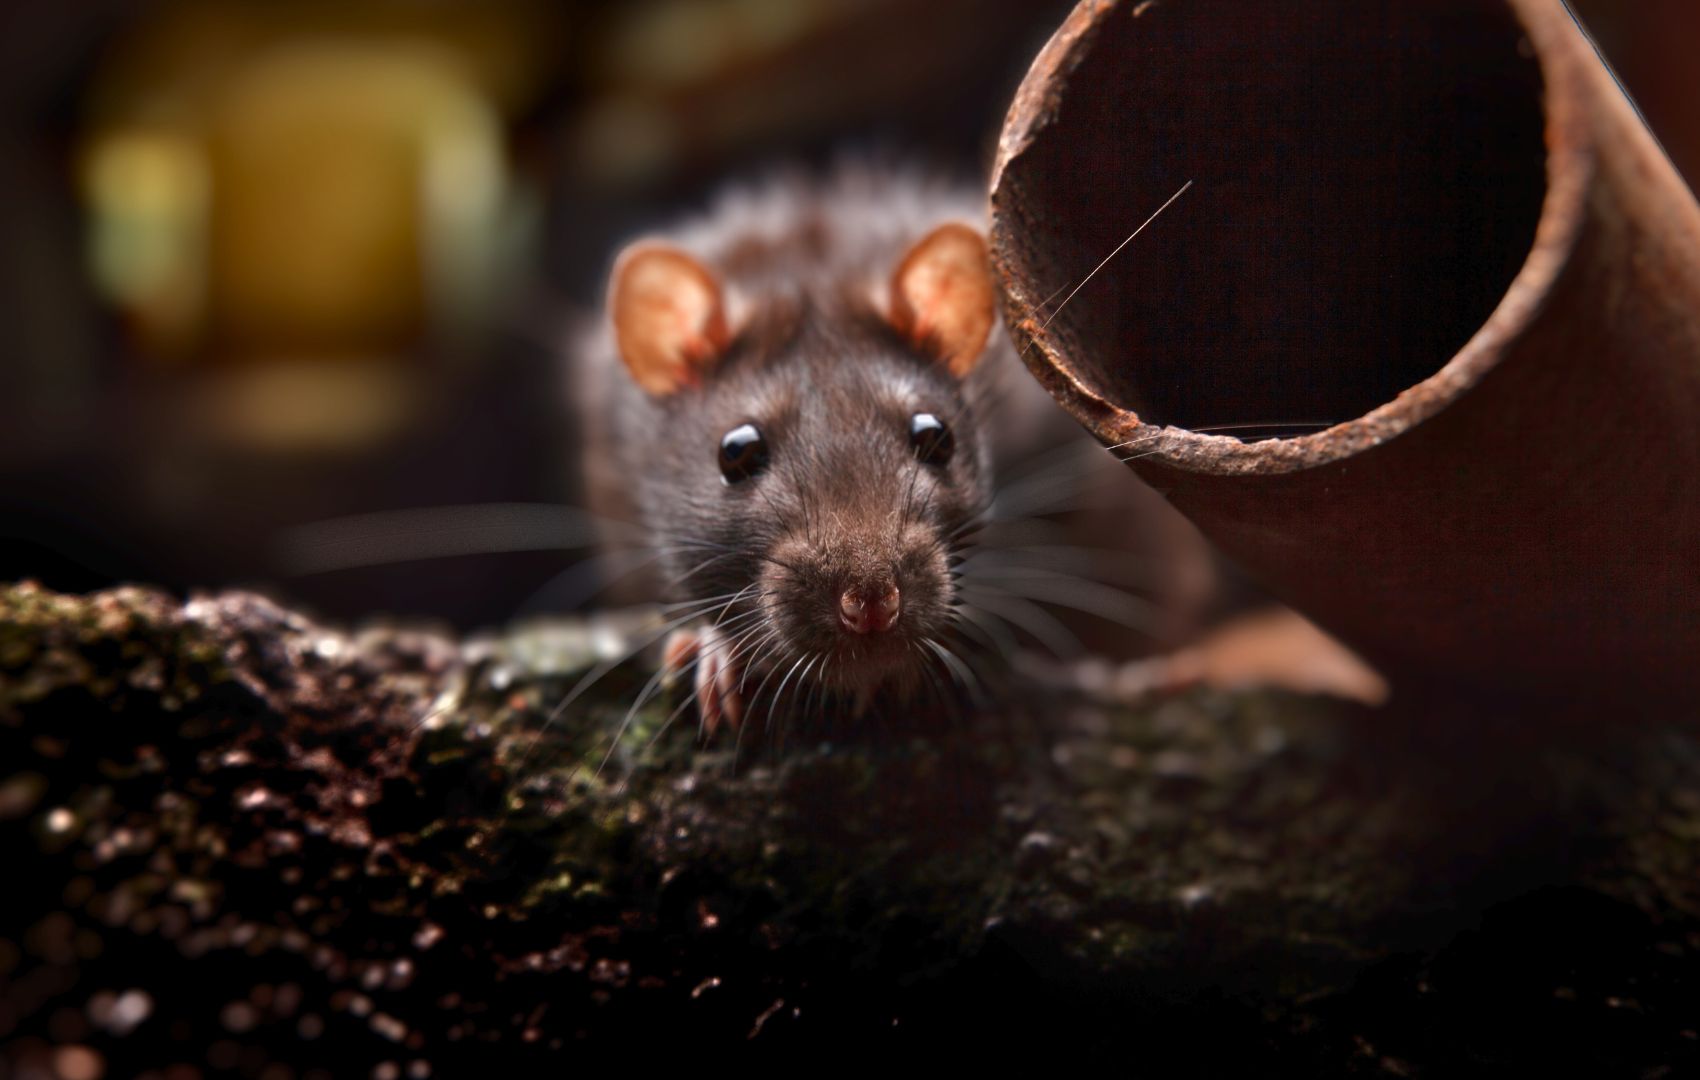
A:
x,y
717,676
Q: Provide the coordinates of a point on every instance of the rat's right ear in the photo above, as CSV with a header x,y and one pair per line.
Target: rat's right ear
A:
x,y
668,314
942,295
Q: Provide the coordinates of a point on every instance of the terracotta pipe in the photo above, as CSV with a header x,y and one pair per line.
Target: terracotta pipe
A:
x,y
1651,43
1436,231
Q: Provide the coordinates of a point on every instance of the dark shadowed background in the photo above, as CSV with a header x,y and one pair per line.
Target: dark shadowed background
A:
x,y
265,264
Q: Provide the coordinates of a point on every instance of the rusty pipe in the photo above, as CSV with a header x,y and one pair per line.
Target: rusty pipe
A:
x,y
1651,43
1432,246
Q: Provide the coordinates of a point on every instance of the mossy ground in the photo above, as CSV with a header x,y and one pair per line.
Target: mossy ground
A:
x,y
241,842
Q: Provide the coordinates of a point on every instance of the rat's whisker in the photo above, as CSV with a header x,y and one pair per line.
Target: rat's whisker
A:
x,y
1070,457
908,497
678,580
1158,443
939,690
1273,424
1046,302
691,609
730,596
1137,457
747,660
1104,564
578,584
648,691
806,710
1081,485
979,520
1046,325
698,601
822,690
992,573
434,532
595,674
739,595
1090,598
1032,530
737,747
780,692
673,545
1138,440
738,625
685,702
747,631
1028,617
929,644
748,640
959,671
970,618
762,661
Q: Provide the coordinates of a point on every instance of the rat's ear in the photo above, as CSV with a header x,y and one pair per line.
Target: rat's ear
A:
x,y
668,314
942,297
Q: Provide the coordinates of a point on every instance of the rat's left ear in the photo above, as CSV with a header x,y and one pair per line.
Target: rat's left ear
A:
x,y
942,297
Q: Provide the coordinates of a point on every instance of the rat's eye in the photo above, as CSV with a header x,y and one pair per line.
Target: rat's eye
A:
x,y
930,439
743,453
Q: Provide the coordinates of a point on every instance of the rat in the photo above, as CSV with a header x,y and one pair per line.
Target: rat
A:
x,y
804,399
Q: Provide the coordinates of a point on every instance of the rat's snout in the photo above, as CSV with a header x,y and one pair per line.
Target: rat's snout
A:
x,y
870,607
867,595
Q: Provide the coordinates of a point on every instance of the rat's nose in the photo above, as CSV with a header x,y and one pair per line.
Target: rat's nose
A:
x,y
869,610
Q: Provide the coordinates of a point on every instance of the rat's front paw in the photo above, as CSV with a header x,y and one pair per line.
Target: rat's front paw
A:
x,y
717,676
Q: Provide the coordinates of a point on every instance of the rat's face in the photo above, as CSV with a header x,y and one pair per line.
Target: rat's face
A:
x,y
821,460
830,485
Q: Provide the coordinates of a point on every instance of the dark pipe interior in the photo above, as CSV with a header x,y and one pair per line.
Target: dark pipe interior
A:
x,y
1367,181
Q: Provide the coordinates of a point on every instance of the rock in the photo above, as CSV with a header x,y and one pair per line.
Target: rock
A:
x,y
239,841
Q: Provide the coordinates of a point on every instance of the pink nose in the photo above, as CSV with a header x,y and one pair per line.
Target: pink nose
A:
x,y
869,611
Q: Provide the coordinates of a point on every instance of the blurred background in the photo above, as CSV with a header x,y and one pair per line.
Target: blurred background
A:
x,y
265,264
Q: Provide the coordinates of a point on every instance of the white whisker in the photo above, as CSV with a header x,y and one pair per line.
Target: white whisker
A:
x,y
1047,323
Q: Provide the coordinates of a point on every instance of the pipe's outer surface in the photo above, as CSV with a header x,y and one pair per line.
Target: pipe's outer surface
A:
x,y
1521,512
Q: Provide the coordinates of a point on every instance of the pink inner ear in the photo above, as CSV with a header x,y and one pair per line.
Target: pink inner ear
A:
x,y
942,296
669,319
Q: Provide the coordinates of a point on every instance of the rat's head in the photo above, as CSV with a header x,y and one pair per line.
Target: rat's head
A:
x,y
820,451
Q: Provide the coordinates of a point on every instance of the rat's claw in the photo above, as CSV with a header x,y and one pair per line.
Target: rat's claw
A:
x,y
716,677
708,692
731,701
681,648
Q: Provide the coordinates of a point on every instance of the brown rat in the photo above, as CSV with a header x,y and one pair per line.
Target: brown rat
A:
x,y
804,399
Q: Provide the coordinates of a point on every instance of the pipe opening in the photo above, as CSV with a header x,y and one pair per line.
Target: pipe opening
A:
x,y
1367,181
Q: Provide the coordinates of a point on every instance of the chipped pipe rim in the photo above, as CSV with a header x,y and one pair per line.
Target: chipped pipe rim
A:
x,y
1570,168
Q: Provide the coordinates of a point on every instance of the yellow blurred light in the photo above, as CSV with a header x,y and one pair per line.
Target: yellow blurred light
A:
x,y
147,193
306,406
355,184
308,204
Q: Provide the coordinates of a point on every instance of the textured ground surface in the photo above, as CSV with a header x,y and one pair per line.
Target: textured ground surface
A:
x,y
239,842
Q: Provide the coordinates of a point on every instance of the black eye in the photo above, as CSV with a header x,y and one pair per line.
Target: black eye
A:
x,y
743,453
930,439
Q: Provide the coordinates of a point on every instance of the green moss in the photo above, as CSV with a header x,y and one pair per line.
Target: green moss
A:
x,y
223,803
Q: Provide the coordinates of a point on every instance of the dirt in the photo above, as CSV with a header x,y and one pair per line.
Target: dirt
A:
x,y
243,843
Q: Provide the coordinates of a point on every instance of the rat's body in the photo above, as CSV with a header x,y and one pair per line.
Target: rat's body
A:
x,y
803,400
